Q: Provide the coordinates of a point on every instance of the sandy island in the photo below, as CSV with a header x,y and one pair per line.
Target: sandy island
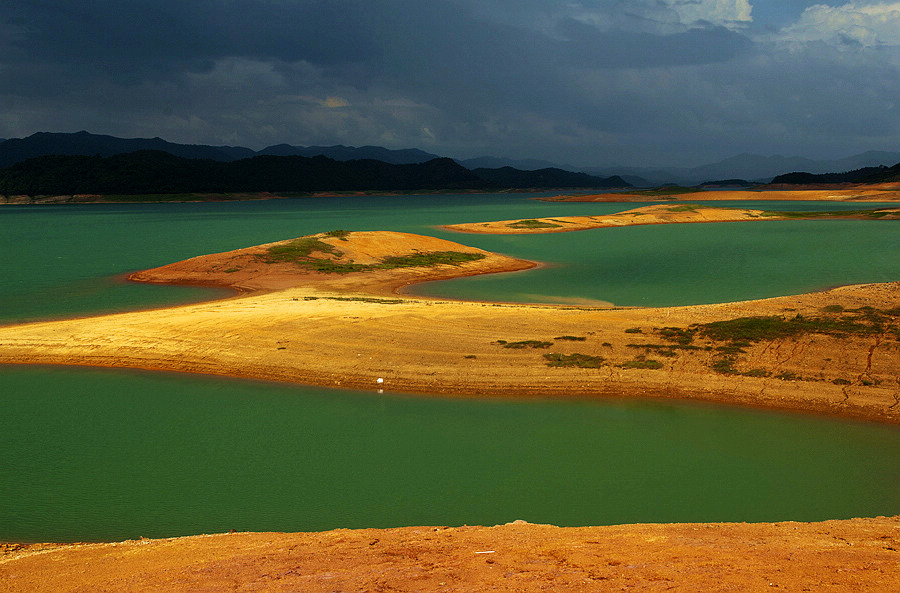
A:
x,y
872,192
834,352
656,214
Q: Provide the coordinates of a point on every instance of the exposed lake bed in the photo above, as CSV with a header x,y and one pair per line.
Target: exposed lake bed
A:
x,y
463,337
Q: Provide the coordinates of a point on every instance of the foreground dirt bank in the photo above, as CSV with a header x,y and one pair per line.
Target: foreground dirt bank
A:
x,y
853,555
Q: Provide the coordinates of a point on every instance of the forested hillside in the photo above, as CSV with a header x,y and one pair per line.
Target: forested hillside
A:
x,y
157,172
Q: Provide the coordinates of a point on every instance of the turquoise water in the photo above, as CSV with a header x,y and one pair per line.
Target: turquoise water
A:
x,y
687,264
91,454
71,260
102,455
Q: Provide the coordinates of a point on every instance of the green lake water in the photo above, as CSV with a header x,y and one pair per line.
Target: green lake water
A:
x,y
104,455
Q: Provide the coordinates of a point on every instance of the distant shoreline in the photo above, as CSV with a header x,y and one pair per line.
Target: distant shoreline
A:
x,y
885,192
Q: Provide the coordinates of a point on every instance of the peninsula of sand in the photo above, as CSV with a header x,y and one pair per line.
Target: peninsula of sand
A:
x,y
329,310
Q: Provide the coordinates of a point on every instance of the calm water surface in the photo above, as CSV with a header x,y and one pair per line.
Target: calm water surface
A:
x,y
111,455
91,454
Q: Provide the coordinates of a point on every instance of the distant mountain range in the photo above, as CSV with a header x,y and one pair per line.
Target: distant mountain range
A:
x,y
751,167
86,144
83,143
864,175
32,166
409,156
158,172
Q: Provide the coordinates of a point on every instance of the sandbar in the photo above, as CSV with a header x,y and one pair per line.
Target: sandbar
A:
x,y
877,192
357,330
655,214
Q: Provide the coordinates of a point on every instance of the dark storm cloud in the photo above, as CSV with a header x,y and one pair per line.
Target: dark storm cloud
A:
x,y
433,52
624,49
402,40
140,33
560,79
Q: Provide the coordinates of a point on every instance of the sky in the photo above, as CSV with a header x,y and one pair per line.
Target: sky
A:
x,y
586,83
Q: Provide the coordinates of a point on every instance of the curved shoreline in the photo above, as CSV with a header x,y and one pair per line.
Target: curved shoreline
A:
x,y
352,330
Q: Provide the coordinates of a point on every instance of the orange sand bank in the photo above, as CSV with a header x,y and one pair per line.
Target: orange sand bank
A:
x,y
859,555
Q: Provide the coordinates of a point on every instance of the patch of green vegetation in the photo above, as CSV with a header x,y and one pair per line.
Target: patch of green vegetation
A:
x,y
679,335
684,208
231,270
666,190
375,300
326,266
571,338
634,330
300,252
659,349
667,350
525,344
755,329
642,363
724,366
532,223
832,309
841,382
872,213
427,259
584,361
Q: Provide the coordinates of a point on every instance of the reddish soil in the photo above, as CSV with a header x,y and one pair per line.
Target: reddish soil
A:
x,y
859,555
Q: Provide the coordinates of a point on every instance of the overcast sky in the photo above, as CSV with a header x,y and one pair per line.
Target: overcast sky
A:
x,y
593,82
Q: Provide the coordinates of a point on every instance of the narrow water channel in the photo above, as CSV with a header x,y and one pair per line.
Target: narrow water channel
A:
x,y
93,454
